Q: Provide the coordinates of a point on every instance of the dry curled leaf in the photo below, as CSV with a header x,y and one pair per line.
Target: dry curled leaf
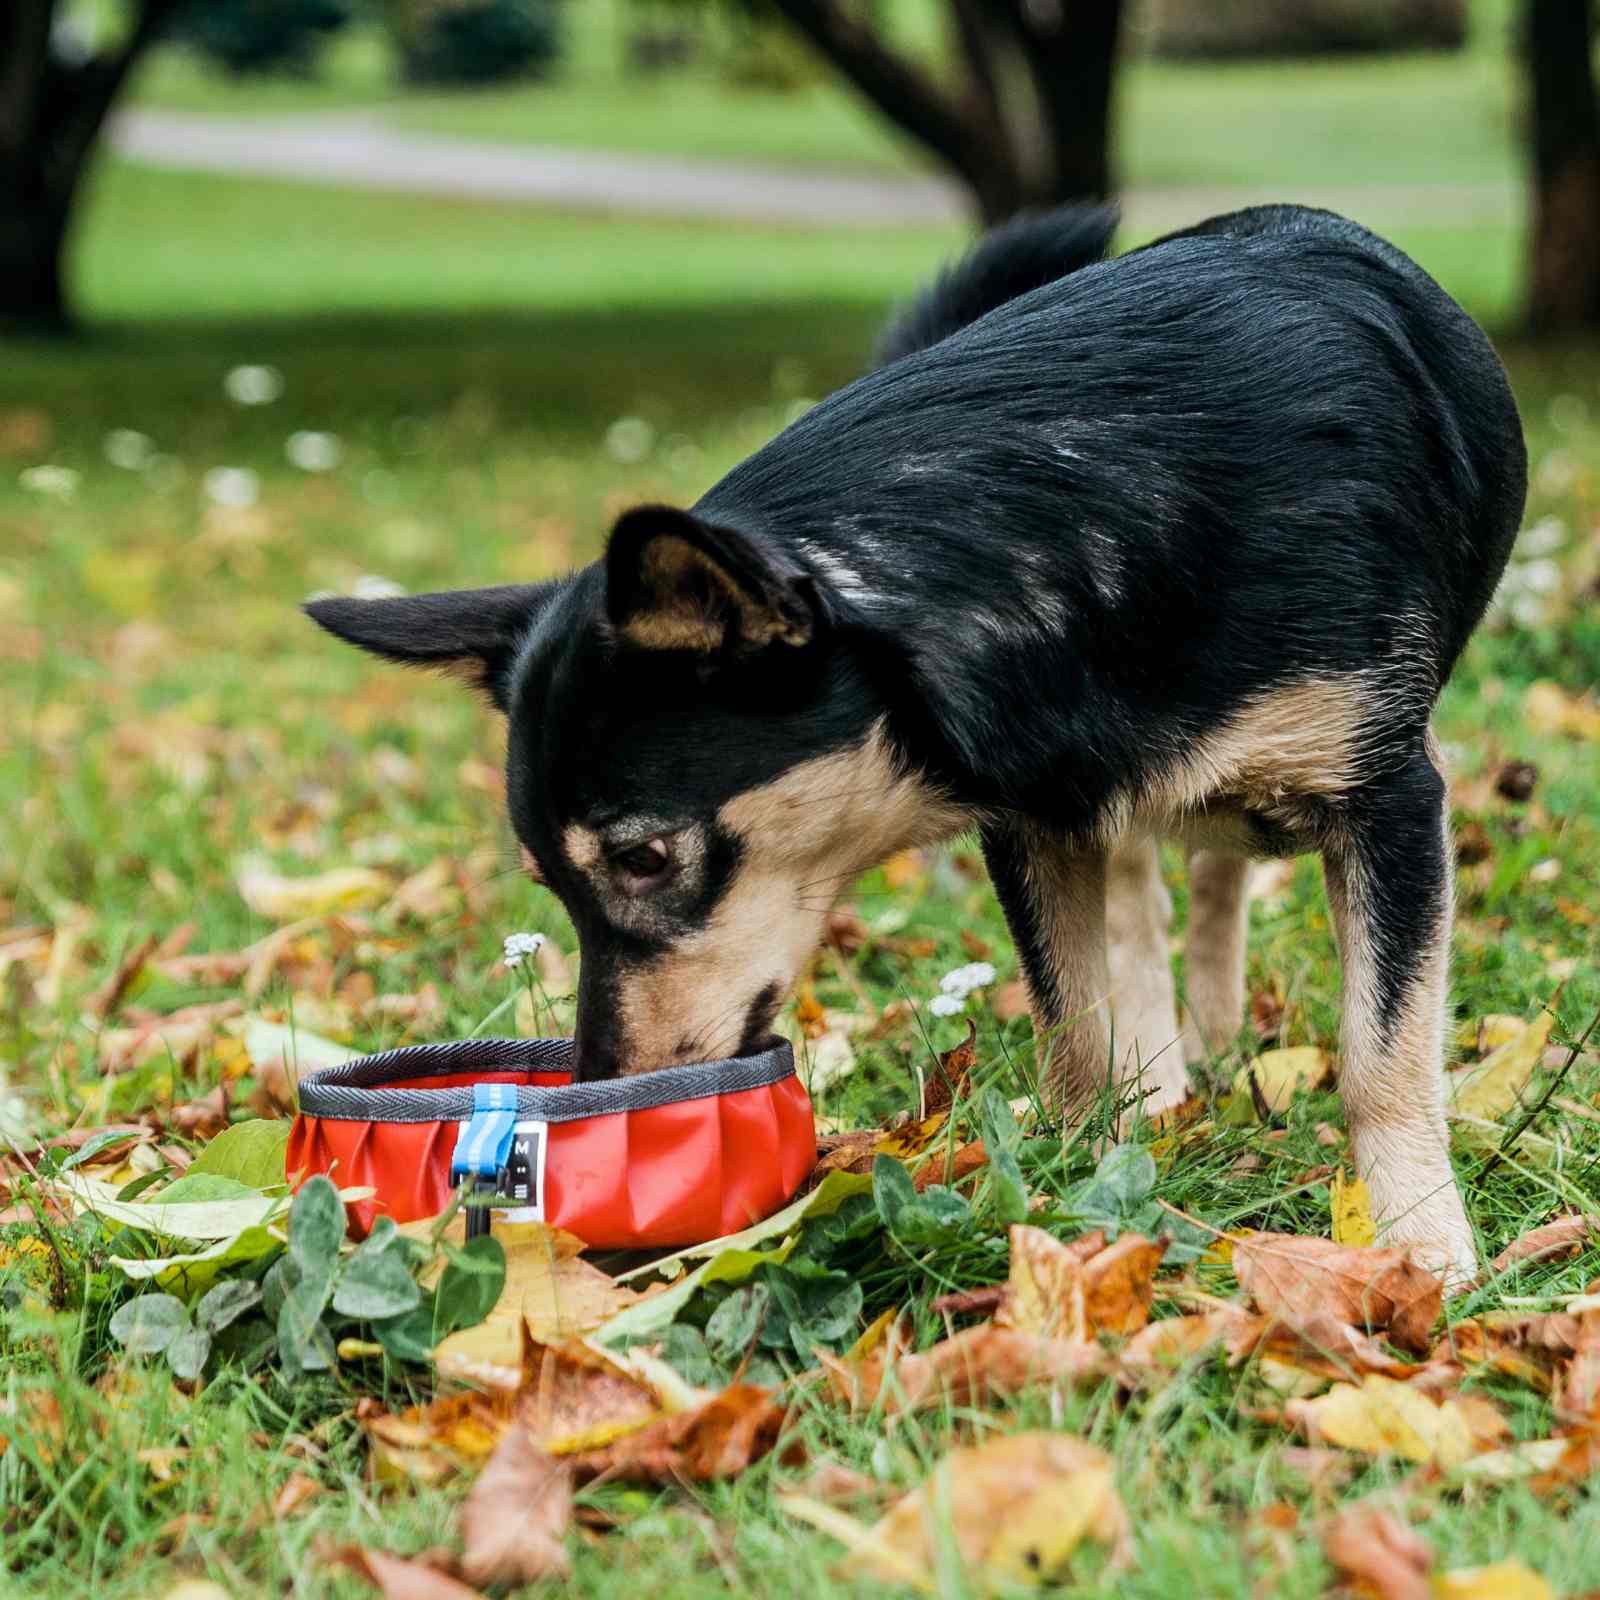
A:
x,y
948,1081
717,1439
514,1522
1081,1290
397,1577
1373,1548
975,1366
1013,1509
1290,1276
1564,1236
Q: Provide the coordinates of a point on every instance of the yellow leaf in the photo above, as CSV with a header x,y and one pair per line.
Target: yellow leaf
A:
x,y
1551,709
1386,1417
1038,1537
1489,1032
1493,1087
911,1138
1505,1580
1220,1250
1279,1074
269,894
1352,1211
547,1283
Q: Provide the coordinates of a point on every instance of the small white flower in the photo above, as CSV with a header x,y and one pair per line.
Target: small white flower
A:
x,y
370,586
61,482
1544,538
630,439
129,449
946,1005
237,488
1540,577
518,945
313,452
964,980
253,386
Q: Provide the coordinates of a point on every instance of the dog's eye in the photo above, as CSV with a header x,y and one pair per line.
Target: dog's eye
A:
x,y
643,864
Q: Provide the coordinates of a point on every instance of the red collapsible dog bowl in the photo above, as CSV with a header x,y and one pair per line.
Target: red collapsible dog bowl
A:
x,y
666,1158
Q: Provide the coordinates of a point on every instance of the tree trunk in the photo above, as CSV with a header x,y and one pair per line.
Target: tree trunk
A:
x,y
1565,291
1029,125
32,295
50,120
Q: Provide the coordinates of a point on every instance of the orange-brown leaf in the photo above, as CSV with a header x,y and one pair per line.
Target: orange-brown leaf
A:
x,y
1375,1549
1288,1275
398,1578
514,1522
949,1079
718,1439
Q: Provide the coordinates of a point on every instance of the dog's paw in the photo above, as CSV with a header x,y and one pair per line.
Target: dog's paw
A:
x,y
1441,1241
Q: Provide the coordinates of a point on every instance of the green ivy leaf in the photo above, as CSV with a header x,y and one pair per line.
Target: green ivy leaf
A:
x,y
1129,1172
375,1283
731,1329
188,1353
820,1307
226,1302
470,1286
204,1186
1001,1140
684,1350
250,1152
304,1344
316,1228
893,1193
146,1326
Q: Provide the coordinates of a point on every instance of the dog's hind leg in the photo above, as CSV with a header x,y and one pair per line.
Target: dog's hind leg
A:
x,y
1054,898
1144,1008
1388,873
1214,949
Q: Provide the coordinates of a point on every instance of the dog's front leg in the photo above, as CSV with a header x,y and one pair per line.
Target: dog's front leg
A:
x,y
1389,886
1054,899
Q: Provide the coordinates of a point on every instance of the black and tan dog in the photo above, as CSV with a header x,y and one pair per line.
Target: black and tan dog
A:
x,y
1182,544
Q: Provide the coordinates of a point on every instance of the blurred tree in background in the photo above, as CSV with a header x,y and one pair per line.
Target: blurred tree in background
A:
x,y
473,41
1027,121
1210,31
1565,278
260,35
54,96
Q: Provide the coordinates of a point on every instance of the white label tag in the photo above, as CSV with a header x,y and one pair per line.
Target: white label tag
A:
x,y
522,1181
519,1191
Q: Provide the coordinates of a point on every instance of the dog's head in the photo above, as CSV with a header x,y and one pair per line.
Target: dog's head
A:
x,y
698,764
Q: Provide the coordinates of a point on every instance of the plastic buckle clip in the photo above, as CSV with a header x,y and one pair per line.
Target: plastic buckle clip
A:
x,y
483,1146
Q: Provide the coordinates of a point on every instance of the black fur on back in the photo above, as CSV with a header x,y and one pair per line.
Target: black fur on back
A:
x,y
1025,253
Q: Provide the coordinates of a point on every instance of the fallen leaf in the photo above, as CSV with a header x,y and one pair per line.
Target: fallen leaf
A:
x,y
280,899
1351,1207
1082,1290
1505,1580
1280,1074
397,1578
1495,1084
717,1439
949,1079
111,993
1013,1509
1550,709
1564,1236
1291,1276
975,1366
297,1489
514,1521
1373,1547
549,1288
1383,1417
963,1161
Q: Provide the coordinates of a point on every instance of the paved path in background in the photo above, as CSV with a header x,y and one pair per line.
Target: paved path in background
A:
x,y
359,149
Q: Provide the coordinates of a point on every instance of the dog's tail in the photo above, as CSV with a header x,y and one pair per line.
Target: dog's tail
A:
x,y
1025,253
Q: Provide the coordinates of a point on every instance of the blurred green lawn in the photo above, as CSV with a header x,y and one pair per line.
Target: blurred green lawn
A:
x,y
1398,120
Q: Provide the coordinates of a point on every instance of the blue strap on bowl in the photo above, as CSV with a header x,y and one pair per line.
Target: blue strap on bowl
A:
x,y
484,1143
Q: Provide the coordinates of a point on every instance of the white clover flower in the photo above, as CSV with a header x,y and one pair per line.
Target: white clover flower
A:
x,y
60,482
946,1005
129,449
370,586
630,439
964,980
1540,577
253,386
518,945
313,452
237,488
1544,538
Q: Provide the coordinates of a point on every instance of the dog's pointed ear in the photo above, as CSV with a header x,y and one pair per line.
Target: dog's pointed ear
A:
x,y
676,582
472,633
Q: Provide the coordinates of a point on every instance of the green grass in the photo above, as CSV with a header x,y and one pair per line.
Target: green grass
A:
x,y
1411,120
164,711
